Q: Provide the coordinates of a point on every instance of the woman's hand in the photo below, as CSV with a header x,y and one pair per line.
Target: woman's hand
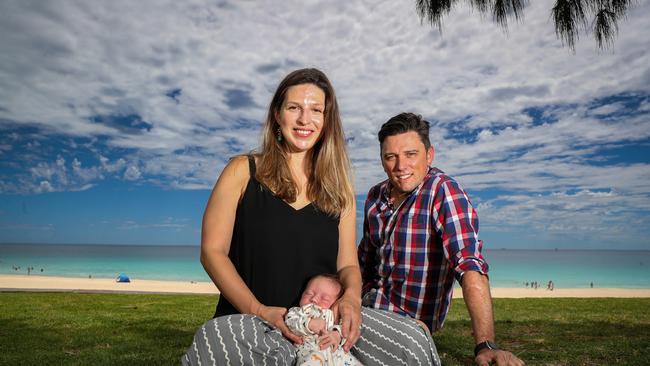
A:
x,y
347,312
275,316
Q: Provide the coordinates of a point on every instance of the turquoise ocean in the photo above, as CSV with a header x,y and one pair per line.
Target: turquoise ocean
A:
x,y
508,268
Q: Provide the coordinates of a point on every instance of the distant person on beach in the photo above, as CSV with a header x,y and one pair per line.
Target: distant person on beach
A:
x,y
314,322
276,218
420,231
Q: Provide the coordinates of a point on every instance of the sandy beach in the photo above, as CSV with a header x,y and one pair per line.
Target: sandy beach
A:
x,y
565,292
68,284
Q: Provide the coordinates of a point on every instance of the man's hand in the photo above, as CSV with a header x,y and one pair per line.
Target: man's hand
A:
x,y
330,339
347,312
275,316
498,357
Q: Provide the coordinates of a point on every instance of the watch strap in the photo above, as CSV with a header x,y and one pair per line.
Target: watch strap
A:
x,y
484,345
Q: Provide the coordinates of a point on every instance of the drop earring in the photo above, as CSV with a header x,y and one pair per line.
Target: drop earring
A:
x,y
278,135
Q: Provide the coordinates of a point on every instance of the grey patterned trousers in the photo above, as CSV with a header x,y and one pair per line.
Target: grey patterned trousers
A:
x,y
386,339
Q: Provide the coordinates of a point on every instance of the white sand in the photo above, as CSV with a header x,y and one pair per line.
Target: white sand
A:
x,y
47,283
566,292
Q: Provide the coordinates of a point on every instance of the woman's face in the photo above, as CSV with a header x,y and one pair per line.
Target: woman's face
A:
x,y
301,116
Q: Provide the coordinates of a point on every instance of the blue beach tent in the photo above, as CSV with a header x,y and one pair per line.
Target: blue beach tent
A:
x,y
122,278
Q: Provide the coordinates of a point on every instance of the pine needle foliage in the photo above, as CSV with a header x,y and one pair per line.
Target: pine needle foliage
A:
x,y
571,17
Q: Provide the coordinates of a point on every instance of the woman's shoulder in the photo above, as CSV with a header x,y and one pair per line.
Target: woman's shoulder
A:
x,y
239,161
243,161
237,170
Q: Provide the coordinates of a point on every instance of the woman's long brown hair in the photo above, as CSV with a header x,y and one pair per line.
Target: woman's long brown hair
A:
x,y
329,185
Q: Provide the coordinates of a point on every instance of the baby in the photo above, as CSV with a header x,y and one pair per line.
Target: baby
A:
x,y
314,321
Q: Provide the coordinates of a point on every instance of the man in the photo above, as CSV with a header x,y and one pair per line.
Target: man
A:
x,y
421,232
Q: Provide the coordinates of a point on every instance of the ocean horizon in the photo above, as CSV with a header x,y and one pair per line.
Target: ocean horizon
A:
x,y
567,268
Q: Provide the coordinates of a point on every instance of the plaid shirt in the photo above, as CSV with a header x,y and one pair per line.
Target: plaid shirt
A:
x,y
409,255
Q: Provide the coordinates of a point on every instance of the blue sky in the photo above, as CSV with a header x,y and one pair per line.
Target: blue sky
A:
x,y
116,117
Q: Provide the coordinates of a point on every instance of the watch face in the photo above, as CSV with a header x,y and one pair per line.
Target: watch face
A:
x,y
491,345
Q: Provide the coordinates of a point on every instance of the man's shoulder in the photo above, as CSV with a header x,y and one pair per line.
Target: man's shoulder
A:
x,y
437,178
438,183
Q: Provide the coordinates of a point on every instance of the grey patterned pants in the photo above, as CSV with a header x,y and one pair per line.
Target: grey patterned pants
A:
x,y
386,339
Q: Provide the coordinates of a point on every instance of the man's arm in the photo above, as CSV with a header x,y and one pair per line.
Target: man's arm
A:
x,y
458,226
476,293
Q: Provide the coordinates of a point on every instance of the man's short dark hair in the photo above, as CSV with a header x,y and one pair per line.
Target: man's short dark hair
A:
x,y
405,122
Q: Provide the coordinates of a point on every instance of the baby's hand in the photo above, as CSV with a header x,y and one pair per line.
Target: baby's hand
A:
x,y
330,338
316,325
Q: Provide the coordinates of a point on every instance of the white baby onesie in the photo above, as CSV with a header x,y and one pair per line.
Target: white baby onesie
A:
x,y
309,353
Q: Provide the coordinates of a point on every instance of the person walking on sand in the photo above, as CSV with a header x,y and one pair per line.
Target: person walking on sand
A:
x,y
420,231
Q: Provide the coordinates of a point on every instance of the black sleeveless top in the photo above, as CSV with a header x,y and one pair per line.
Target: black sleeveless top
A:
x,y
276,248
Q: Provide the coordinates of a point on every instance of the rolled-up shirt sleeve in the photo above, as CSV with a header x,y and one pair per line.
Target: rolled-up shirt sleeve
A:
x,y
458,223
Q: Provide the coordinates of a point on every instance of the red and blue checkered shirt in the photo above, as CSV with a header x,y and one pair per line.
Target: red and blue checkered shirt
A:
x,y
409,255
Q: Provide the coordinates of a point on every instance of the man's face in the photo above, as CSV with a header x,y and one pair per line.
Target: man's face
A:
x,y
405,160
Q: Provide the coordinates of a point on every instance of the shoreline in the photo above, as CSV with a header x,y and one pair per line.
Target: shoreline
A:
x,y
36,283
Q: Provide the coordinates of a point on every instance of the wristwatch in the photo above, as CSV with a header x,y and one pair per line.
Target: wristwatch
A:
x,y
484,345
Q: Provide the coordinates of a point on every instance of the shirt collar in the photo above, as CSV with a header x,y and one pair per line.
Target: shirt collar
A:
x,y
386,187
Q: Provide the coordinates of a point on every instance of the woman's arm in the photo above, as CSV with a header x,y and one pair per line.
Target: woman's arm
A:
x,y
348,307
216,234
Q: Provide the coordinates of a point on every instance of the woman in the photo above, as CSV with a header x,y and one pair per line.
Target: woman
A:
x,y
276,219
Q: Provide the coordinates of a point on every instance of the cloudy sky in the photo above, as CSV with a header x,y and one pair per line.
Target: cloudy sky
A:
x,y
116,117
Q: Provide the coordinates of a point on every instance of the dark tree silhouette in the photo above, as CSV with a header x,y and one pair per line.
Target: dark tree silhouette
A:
x,y
569,16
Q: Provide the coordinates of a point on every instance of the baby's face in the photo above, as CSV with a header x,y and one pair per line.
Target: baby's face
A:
x,y
320,291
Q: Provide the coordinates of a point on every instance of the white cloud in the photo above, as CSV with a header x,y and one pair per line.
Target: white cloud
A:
x,y
200,74
379,56
27,227
132,173
610,216
608,109
168,223
111,167
45,186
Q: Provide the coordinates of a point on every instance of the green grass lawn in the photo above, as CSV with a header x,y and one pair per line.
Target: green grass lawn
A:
x,y
124,329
